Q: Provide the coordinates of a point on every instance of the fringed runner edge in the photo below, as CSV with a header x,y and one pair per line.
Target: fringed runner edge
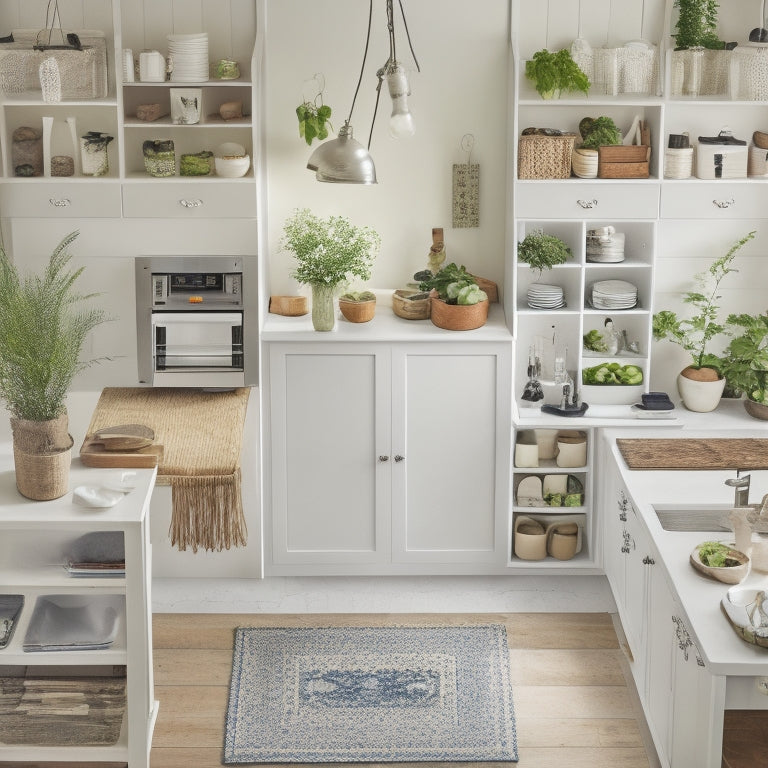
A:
x,y
207,512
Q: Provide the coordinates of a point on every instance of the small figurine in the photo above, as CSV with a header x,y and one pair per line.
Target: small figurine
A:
x,y
437,251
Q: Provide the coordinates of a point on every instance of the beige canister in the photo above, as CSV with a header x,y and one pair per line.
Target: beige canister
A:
x,y
526,449
530,538
571,448
563,540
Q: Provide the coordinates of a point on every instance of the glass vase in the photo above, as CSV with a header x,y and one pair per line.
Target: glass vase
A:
x,y
323,315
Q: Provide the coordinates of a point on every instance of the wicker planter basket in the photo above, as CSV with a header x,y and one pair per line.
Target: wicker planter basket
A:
x,y
545,157
416,309
358,311
42,454
458,317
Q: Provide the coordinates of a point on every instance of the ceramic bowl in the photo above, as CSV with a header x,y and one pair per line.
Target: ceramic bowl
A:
x,y
231,167
728,574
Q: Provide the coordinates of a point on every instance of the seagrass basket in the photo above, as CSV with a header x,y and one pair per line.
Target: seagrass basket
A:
x,y
410,309
545,157
458,317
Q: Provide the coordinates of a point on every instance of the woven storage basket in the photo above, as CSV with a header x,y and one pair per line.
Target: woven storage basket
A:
x,y
458,317
42,476
358,311
545,157
418,309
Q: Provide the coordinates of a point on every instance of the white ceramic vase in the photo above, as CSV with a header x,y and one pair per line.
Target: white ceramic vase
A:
x,y
700,396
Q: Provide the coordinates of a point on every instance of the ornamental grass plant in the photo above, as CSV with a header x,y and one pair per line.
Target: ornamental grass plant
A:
x,y
43,326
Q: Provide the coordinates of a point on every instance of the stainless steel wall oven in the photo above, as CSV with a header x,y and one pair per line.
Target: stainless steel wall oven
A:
x,y
197,321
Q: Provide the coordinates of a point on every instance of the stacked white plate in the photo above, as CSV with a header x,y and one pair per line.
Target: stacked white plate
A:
x,y
189,57
613,294
541,296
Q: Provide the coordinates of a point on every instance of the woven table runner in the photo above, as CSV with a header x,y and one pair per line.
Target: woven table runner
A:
x,y
202,434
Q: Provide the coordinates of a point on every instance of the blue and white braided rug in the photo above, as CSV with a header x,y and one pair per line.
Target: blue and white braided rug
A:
x,y
370,694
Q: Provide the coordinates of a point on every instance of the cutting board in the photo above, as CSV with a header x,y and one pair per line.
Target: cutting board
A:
x,y
94,454
694,453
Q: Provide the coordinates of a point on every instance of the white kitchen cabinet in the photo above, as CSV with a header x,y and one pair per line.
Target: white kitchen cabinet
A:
x,y
235,31
35,538
388,458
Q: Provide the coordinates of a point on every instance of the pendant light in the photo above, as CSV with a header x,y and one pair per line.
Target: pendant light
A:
x,y
344,160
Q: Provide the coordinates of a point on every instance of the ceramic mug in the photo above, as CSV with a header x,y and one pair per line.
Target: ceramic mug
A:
x,y
151,67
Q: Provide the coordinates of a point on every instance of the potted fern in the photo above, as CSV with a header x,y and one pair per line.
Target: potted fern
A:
x,y
542,251
328,252
44,322
745,361
555,72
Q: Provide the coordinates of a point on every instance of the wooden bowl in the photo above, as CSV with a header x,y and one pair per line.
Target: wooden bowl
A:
x,y
358,311
732,574
458,317
416,309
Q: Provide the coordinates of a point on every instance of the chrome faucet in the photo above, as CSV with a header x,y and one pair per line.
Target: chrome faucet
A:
x,y
741,489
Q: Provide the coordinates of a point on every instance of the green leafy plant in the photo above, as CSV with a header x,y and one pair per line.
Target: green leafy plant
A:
x,y
694,333
555,71
611,374
600,132
329,251
717,555
697,24
594,341
745,360
43,326
541,251
455,285
313,121
358,296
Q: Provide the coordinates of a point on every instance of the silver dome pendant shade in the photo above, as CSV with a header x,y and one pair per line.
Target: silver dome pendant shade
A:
x,y
343,160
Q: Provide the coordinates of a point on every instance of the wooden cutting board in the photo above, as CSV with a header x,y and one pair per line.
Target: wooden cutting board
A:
x,y
694,453
94,454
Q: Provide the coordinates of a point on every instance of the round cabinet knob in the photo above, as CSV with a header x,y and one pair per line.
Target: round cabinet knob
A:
x,y
383,458
399,458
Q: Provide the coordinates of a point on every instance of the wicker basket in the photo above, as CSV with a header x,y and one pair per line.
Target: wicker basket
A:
x,y
458,317
416,309
545,157
358,311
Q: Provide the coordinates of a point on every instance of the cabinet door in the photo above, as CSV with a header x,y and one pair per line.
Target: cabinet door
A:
x,y
661,649
636,552
450,443
330,442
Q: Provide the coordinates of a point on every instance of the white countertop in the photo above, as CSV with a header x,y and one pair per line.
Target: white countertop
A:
x,y
722,650
386,326
64,511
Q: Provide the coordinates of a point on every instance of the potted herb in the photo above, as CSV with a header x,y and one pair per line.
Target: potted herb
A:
x,y
312,120
600,132
44,322
328,252
700,384
358,306
745,361
541,251
458,303
555,72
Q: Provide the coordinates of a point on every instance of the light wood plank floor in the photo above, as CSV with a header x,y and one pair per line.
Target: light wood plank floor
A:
x,y
572,702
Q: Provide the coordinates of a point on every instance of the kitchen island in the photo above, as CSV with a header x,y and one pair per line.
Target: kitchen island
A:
x,y
38,541
688,663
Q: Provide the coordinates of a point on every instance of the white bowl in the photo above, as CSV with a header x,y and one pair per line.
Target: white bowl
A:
x,y
232,167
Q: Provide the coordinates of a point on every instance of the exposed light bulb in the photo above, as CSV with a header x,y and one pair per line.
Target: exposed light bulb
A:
x,y
401,121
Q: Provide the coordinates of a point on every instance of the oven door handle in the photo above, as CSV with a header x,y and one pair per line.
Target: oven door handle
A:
x,y
162,320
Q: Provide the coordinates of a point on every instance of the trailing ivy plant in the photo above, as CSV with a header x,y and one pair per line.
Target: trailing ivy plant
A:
x,y
313,121
697,24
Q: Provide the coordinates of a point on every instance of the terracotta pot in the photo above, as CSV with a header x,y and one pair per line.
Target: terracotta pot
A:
x,y
700,396
458,317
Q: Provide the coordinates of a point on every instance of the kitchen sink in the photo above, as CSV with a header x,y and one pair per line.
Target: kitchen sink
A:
x,y
694,517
